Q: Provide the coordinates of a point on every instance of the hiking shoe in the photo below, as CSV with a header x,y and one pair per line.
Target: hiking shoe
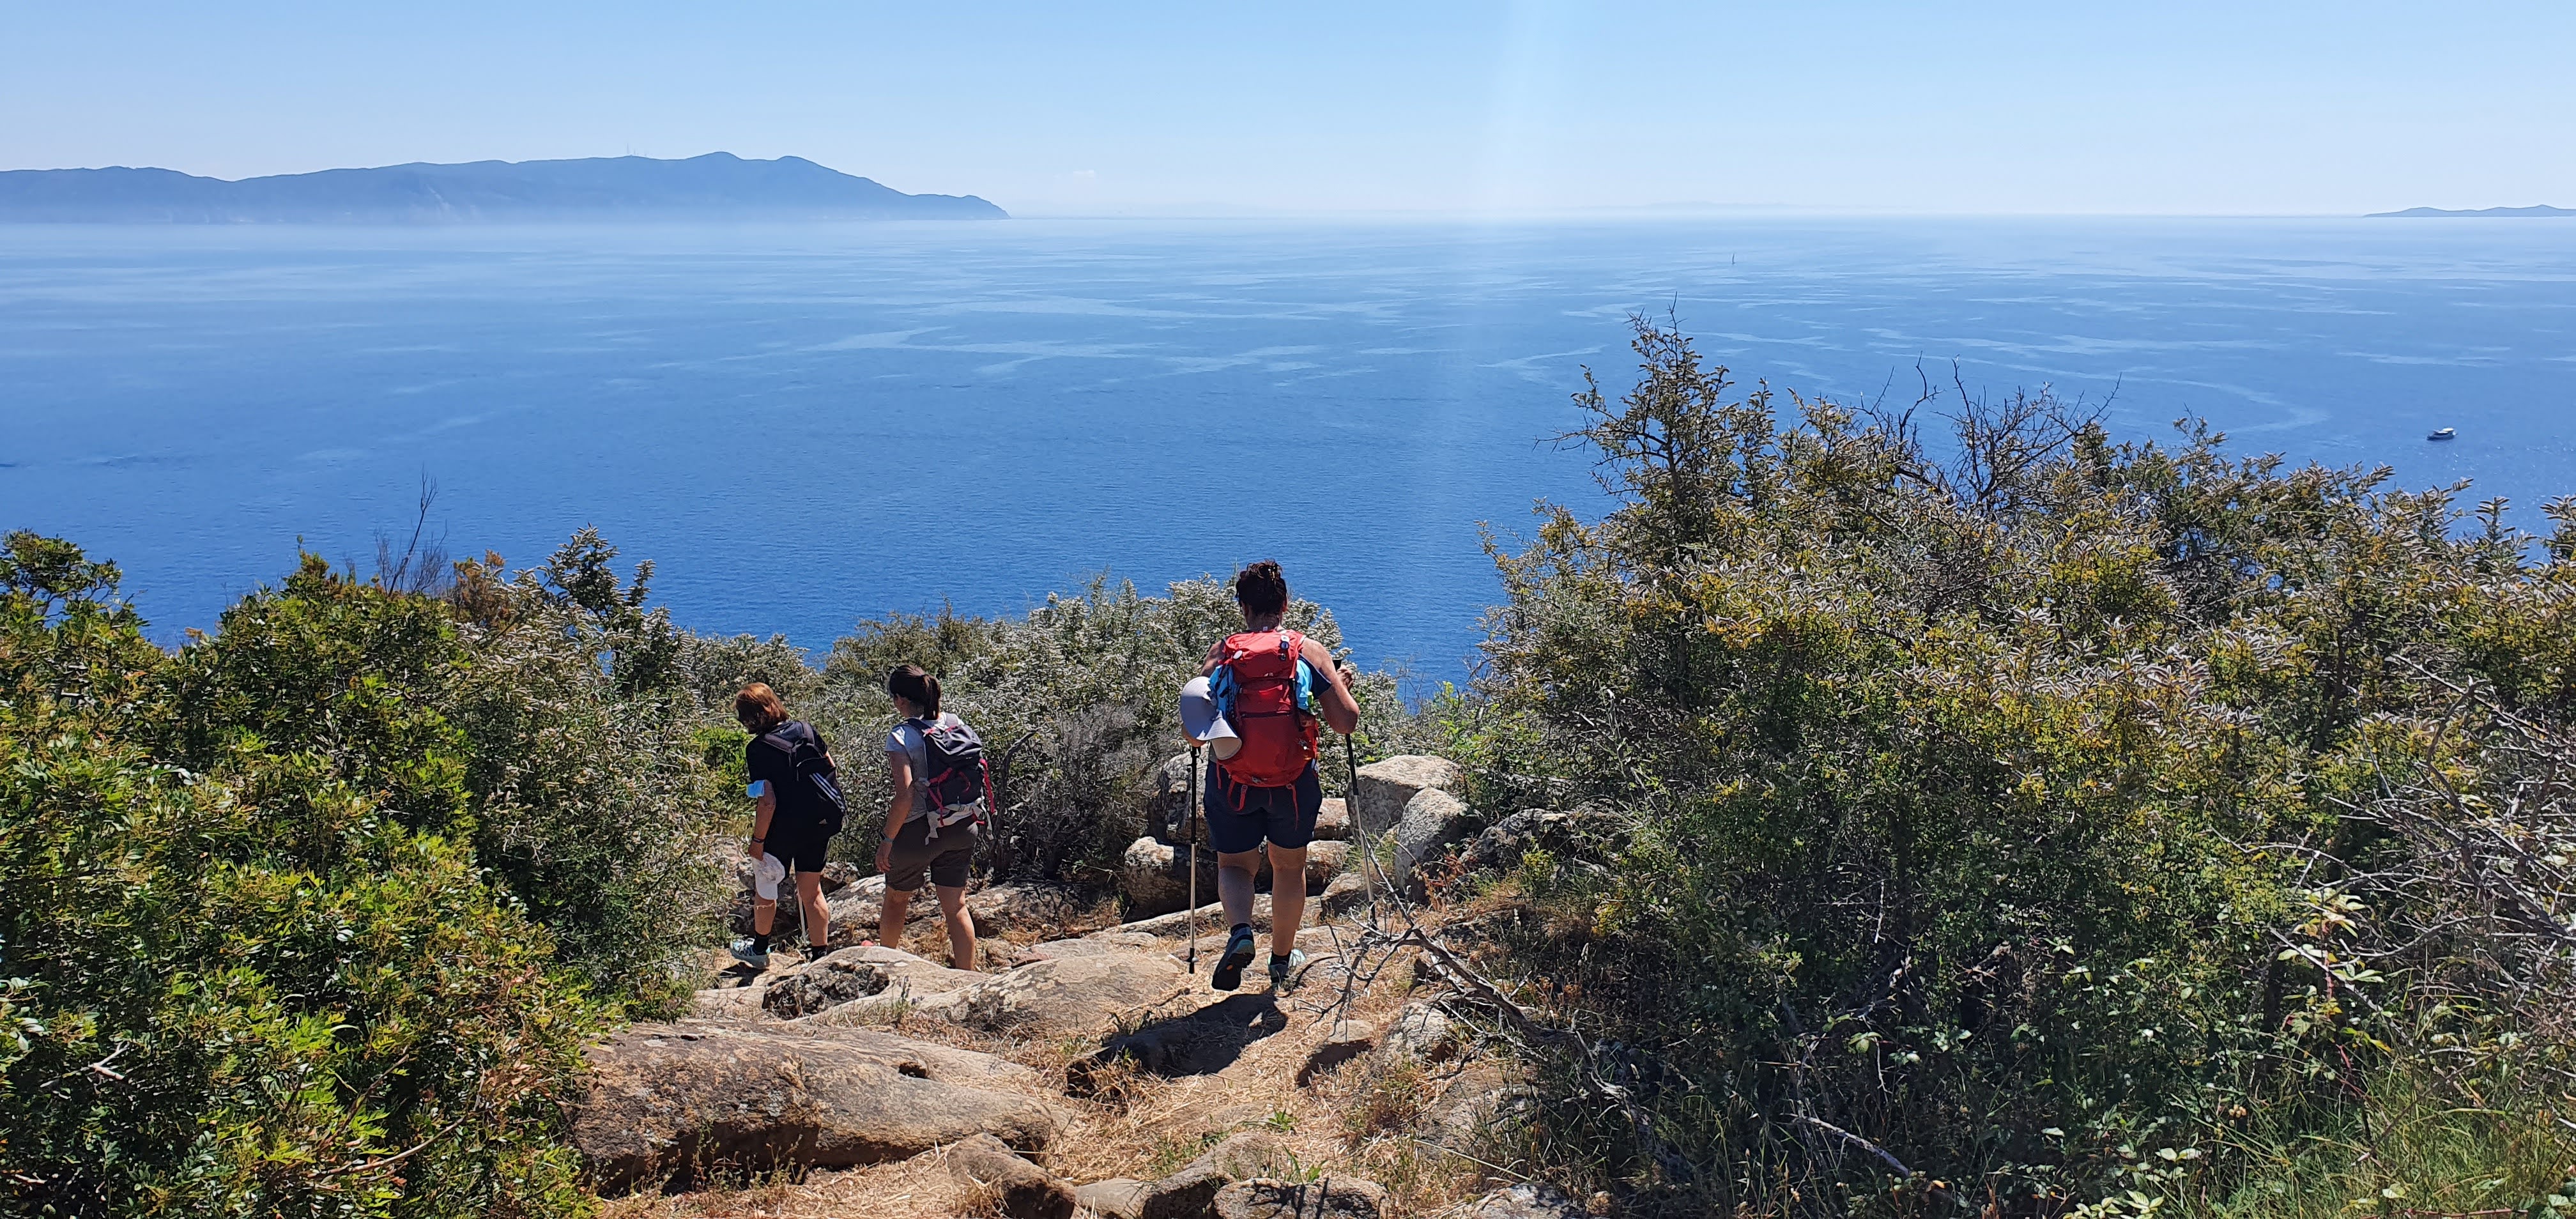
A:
x,y
1283,972
1238,953
745,951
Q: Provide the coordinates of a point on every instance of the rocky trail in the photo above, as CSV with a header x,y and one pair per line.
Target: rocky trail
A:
x,y
1085,1071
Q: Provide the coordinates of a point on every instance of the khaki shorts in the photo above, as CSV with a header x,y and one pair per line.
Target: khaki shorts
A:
x,y
947,858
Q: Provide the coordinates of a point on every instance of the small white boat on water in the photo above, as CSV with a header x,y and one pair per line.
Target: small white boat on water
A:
x,y
2446,433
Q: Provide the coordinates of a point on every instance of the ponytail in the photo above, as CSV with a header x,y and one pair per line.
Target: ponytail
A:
x,y
916,686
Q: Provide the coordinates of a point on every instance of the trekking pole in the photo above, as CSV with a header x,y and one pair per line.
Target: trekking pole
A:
x,y
1194,861
1359,828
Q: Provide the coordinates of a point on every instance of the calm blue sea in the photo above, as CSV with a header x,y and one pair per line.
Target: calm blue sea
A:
x,y
806,426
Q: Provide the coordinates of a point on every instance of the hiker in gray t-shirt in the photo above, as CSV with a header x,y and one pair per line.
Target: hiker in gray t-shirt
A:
x,y
923,833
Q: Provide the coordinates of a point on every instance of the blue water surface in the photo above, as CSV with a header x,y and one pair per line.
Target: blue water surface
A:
x,y
805,426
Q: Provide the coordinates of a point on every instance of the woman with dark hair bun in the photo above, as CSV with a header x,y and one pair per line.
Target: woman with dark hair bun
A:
x,y
941,792
1271,684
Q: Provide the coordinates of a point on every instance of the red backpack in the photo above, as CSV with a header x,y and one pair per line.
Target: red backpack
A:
x,y
1258,682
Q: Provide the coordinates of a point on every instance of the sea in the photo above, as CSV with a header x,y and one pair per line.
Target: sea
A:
x,y
804,427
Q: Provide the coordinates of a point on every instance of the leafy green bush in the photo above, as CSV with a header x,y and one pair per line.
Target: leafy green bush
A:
x,y
1080,694
316,915
1995,815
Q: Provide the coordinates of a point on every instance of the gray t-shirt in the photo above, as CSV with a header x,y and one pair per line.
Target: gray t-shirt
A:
x,y
906,740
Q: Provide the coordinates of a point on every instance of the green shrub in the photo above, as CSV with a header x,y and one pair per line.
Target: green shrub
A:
x,y
240,977
1998,815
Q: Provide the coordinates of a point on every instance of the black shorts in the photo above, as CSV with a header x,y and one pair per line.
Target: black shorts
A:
x,y
1239,817
800,848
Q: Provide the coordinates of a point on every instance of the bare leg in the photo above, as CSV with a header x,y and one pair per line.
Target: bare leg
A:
x,y
764,914
1287,897
961,928
1234,871
818,917
898,903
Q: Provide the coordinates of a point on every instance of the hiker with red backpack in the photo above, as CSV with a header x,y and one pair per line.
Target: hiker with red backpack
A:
x,y
1271,685
942,789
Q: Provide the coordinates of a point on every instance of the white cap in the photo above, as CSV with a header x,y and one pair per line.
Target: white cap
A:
x,y
1201,723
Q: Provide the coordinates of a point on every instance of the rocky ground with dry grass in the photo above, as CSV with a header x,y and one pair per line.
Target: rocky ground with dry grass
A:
x,y
1088,1068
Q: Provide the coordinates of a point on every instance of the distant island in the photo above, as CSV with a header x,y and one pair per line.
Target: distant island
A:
x,y
717,186
2414,212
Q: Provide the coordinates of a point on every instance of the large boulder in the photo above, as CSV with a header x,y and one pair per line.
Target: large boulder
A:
x,y
1345,897
1325,860
1346,1040
1420,1032
667,1102
1333,822
857,974
1167,802
1386,787
1431,821
1081,995
1322,1198
1154,877
1570,836
1019,1189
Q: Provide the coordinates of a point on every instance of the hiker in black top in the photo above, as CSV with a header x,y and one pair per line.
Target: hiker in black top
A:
x,y
794,824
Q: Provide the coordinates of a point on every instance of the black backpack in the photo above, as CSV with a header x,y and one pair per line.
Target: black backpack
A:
x,y
817,779
958,773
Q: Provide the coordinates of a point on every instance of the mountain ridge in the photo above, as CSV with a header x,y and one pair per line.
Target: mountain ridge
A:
x,y
2415,213
716,185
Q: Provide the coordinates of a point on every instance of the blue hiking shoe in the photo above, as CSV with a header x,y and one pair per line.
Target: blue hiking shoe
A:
x,y
1238,953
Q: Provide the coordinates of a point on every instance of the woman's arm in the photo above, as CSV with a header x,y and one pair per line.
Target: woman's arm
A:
x,y
767,807
1340,709
898,807
1207,668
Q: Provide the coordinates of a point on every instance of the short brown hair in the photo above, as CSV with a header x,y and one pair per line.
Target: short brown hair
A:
x,y
759,708
1261,589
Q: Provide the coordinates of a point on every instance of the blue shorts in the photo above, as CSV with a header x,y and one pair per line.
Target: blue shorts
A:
x,y
1239,817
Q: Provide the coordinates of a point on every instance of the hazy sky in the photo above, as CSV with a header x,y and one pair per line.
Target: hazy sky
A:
x,y
2241,107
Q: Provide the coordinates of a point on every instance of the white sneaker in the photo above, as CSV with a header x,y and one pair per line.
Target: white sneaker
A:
x,y
745,951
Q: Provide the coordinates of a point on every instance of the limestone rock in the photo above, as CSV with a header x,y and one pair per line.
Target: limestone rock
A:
x,y
1022,1190
841,874
1523,1201
1115,1198
1420,1032
1333,822
1385,787
667,1101
1346,1040
1073,995
1323,1198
